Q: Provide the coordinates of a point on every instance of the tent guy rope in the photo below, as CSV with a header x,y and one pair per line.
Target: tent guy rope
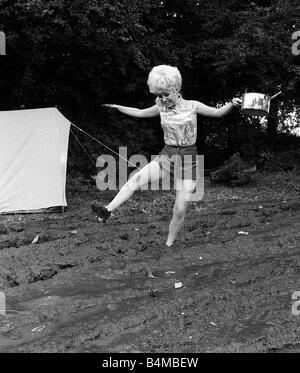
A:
x,y
101,143
86,152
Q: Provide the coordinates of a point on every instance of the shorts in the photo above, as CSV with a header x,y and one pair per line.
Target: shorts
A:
x,y
180,162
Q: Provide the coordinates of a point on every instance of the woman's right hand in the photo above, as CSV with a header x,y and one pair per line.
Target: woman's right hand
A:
x,y
110,105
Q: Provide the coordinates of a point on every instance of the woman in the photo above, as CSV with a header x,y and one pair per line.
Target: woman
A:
x,y
179,123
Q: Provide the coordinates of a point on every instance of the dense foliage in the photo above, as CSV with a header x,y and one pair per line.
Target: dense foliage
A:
x,y
78,54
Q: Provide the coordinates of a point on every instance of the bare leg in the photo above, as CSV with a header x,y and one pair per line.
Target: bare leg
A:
x,y
150,172
183,190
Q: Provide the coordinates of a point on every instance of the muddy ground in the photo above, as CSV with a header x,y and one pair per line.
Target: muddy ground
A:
x,y
88,287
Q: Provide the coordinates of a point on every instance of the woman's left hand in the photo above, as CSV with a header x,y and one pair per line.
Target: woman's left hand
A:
x,y
237,102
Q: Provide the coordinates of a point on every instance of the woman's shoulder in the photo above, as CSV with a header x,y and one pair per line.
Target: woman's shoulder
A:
x,y
192,104
158,103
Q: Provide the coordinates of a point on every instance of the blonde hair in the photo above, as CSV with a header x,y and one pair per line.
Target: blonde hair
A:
x,y
164,77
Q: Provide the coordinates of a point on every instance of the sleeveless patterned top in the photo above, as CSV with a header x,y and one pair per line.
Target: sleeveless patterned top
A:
x,y
179,122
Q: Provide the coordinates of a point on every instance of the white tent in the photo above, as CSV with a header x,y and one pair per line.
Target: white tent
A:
x,y
33,159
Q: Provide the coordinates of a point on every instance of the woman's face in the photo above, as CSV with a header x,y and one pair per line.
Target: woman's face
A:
x,y
168,97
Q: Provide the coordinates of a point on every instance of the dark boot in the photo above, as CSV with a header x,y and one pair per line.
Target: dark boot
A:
x,y
100,210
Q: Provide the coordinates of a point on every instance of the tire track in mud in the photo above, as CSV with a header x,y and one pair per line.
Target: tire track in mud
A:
x,y
166,314
237,297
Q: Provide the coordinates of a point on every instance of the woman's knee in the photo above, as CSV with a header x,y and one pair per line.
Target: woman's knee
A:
x,y
133,183
179,210
144,176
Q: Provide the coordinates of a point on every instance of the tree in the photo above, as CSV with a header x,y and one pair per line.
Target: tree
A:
x,y
79,54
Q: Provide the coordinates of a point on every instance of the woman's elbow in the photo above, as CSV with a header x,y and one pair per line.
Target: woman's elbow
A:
x,y
217,113
144,114
138,113
220,114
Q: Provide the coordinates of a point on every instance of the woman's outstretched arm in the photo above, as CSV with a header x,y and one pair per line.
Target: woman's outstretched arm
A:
x,y
150,112
209,111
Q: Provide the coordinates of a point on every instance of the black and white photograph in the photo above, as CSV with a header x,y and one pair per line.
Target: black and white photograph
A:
x,y
149,179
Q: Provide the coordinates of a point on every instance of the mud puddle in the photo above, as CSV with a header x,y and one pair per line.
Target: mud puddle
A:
x,y
92,285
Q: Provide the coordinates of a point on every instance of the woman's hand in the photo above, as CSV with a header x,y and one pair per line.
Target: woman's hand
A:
x,y
237,102
110,105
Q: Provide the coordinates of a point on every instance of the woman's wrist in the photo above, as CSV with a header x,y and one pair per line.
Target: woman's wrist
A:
x,y
236,102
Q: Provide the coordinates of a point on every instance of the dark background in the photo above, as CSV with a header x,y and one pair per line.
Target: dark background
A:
x,y
79,54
